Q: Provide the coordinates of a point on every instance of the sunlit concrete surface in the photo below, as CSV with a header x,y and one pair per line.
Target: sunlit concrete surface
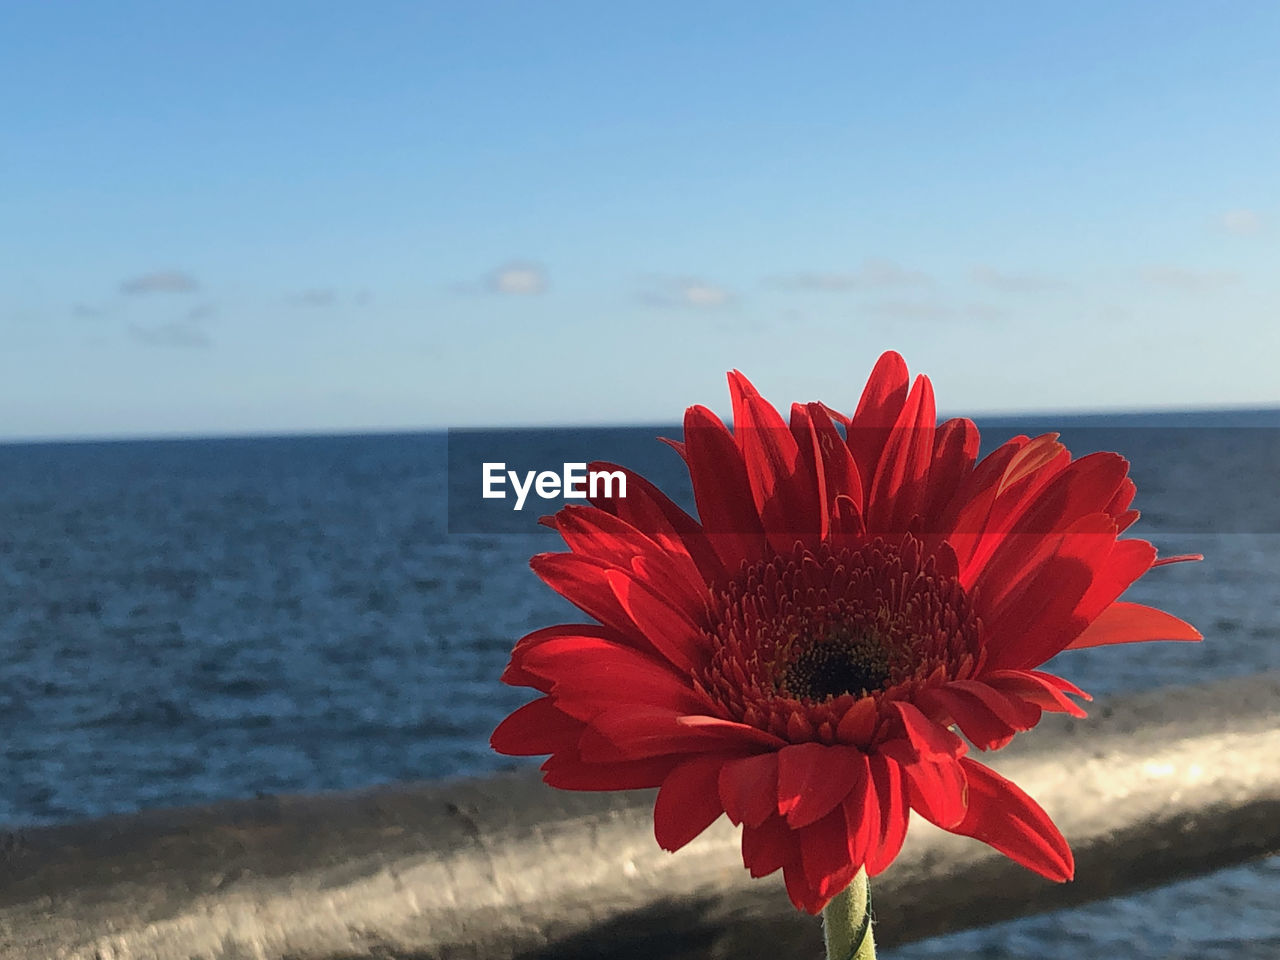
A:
x,y
1149,789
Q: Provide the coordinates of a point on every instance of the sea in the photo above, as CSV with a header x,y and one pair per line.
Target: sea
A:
x,y
192,620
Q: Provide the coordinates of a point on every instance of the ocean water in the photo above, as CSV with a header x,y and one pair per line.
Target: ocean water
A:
x,y
192,620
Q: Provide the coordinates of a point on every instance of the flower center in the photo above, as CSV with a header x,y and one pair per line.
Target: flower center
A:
x,y
796,640
842,662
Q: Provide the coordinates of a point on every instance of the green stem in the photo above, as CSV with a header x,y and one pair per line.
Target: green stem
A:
x,y
846,922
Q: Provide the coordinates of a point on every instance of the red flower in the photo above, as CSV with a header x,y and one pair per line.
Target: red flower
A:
x,y
799,658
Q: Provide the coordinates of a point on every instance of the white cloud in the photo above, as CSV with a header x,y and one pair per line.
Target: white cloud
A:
x,y
684,292
1242,223
873,273
1188,279
518,279
161,281
704,294
169,335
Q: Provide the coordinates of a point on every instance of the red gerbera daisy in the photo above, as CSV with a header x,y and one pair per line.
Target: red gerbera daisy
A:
x,y
801,657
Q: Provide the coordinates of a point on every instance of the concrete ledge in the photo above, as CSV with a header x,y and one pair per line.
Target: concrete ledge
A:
x,y
1150,789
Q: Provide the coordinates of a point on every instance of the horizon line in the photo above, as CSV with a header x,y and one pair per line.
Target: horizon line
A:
x,y
270,433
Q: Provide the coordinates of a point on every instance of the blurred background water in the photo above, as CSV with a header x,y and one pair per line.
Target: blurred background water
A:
x,y
192,620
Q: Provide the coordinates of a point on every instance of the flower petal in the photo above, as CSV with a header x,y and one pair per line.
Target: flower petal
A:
x,y
1128,560
1032,686
583,582
669,630
1033,459
842,477
928,741
824,853
748,789
882,400
769,846
1119,505
516,676
955,450
811,463
898,492
1133,623
814,779
599,535
971,505
858,725
895,812
1038,616
1081,487
1003,816
653,513
785,494
937,790
928,758
799,890
862,812
721,490
688,802
589,675
847,528
986,716
632,732
536,728
567,771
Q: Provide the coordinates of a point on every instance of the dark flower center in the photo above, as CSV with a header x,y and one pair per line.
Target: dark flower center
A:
x,y
797,639
843,662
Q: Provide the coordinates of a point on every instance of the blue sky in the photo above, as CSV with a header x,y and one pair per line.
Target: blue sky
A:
x,y
246,217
